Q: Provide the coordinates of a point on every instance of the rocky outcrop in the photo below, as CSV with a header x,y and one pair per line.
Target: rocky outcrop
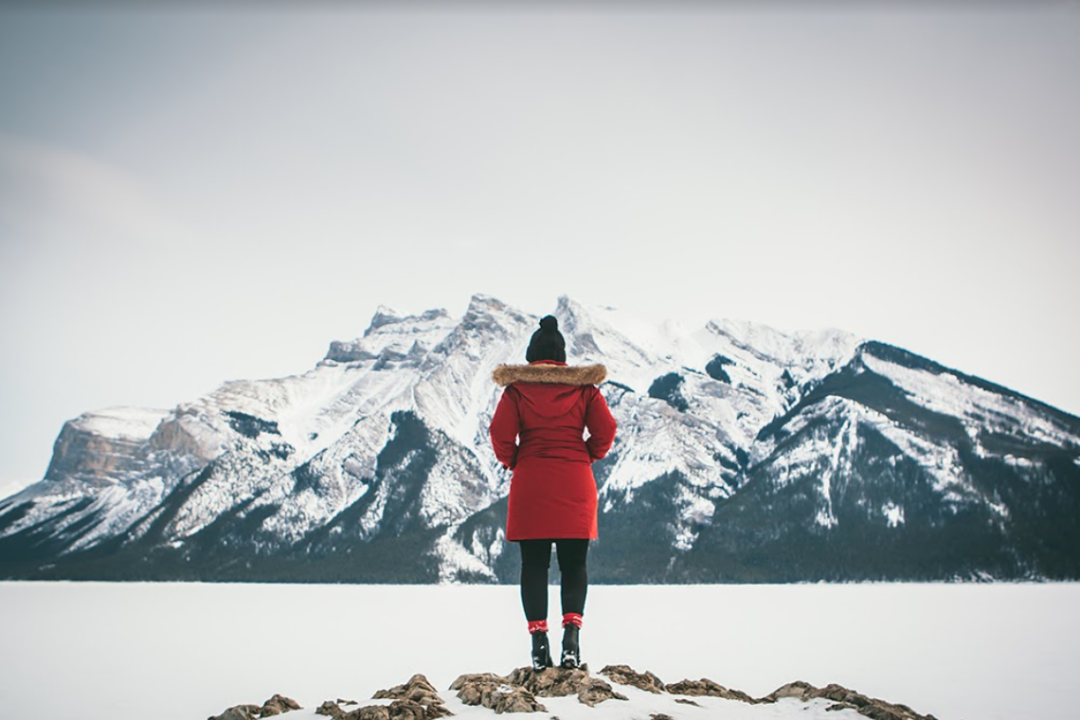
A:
x,y
276,705
625,675
519,692
238,712
106,444
495,692
414,700
707,687
330,709
844,698
560,682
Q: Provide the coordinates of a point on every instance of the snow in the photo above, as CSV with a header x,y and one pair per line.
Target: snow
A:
x,y
172,651
940,461
454,558
813,450
984,412
128,423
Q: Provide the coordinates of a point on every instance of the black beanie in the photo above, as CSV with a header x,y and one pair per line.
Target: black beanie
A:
x,y
547,343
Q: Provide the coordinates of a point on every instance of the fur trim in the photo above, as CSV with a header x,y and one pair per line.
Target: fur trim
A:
x,y
545,373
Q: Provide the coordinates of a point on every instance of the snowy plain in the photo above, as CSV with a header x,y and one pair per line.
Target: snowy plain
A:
x,y
186,651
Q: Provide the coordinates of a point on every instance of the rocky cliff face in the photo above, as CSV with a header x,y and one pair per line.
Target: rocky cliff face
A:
x,y
743,454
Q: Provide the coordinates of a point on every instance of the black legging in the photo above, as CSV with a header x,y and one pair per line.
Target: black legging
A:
x,y
535,559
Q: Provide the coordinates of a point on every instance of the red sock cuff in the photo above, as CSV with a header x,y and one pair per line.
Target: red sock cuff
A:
x,y
571,619
536,626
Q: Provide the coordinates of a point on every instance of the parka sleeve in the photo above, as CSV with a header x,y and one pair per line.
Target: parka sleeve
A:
x,y
601,424
504,429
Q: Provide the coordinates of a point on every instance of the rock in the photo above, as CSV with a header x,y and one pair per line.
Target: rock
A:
x,y
274,706
550,682
370,712
239,712
687,701
417,693
437,711
407,710
792,689
477,677
346,702
397,710
625,675
844,698
418,689
660,716
330,709
277,705
597,691
495,692
559,682
709,688
841,694
518,700
476,692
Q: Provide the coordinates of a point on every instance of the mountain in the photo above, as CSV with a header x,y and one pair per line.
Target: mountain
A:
x,y
744,454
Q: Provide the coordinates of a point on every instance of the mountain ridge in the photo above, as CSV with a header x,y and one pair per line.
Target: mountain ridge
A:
x,y
744,453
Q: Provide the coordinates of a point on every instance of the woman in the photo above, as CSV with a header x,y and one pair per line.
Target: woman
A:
x,y
537,431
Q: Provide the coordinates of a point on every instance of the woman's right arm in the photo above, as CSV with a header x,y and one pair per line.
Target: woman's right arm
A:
x,y
601,424
504,429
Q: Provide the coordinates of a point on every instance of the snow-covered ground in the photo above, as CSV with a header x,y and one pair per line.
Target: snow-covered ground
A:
x,y
187,651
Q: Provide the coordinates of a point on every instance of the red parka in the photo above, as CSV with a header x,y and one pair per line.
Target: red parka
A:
x,y
538,432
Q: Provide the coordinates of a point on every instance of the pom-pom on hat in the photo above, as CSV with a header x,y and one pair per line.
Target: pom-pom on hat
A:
x,y
547,343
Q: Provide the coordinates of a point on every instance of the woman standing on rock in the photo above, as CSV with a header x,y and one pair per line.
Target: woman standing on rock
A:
x,y
538,432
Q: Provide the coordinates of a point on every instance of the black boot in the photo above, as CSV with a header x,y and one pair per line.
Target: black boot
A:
x,y
541,651
571,650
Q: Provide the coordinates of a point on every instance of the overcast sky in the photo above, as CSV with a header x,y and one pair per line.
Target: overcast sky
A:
x,y
193,197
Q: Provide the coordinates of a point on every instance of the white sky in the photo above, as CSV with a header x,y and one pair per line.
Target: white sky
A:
x,y
192,197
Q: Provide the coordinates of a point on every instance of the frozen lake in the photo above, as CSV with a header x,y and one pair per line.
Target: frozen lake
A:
x,y
186,651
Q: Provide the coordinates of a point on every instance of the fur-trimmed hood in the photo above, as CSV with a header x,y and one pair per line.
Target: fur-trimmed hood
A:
x,y
542,372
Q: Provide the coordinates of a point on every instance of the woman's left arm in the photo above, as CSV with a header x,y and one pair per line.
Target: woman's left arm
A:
x,y
601,424
504,429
